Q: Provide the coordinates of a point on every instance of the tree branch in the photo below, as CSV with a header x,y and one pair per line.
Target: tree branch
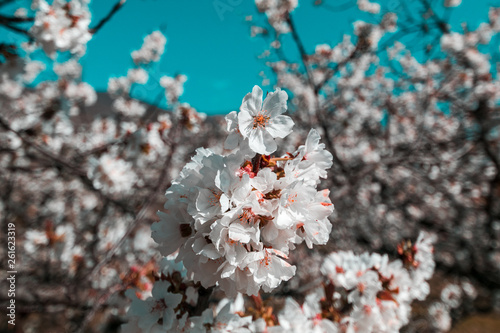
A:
x,y
108,17
58,161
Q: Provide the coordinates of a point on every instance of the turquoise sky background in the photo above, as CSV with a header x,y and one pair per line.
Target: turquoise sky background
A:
x,y
214,49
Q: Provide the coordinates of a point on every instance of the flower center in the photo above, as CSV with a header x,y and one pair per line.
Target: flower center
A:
x,y
266,261
215,199
159,306
247,216
260,120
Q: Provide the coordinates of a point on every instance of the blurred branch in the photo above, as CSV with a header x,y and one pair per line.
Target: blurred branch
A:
x,y
73,169
9,23
322,122
108,17
481,115
442,24
146,205
97,305
16,29
95,230
13,19
302,50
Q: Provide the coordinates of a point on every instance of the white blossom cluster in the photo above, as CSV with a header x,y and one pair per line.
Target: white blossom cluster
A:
x,y
145,313
120,87
367,6
379,291
277,12
152,49
112,174
464,47
453,295
361,293
62,25
190,119
234,218
95,163
166,310
174,87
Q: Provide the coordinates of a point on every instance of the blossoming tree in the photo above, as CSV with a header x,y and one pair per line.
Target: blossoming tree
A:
x,y
408,107
405,146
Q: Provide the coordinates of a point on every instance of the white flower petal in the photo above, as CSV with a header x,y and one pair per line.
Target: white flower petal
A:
x,y
231,121
252,102
239,233
262,142
275,103
312,140
232,140
245,123
280,126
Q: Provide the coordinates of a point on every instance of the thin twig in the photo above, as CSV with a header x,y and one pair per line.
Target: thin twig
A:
x,y
108,17
16,29
302,50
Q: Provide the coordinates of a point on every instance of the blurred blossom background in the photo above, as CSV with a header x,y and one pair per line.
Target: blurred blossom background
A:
x,y
95,125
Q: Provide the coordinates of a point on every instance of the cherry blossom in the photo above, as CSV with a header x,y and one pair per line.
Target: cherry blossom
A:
x,y
62,26
396,124
262,122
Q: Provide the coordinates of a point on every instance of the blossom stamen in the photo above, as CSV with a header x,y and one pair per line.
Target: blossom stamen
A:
x,y
215,199
260,121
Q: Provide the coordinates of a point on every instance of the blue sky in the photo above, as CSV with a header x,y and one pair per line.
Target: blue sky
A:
x,y
214,49
209,41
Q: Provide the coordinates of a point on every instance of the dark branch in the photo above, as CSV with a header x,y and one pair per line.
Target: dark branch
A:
x,y
13,19
16,29
302,50
63,164
108,17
